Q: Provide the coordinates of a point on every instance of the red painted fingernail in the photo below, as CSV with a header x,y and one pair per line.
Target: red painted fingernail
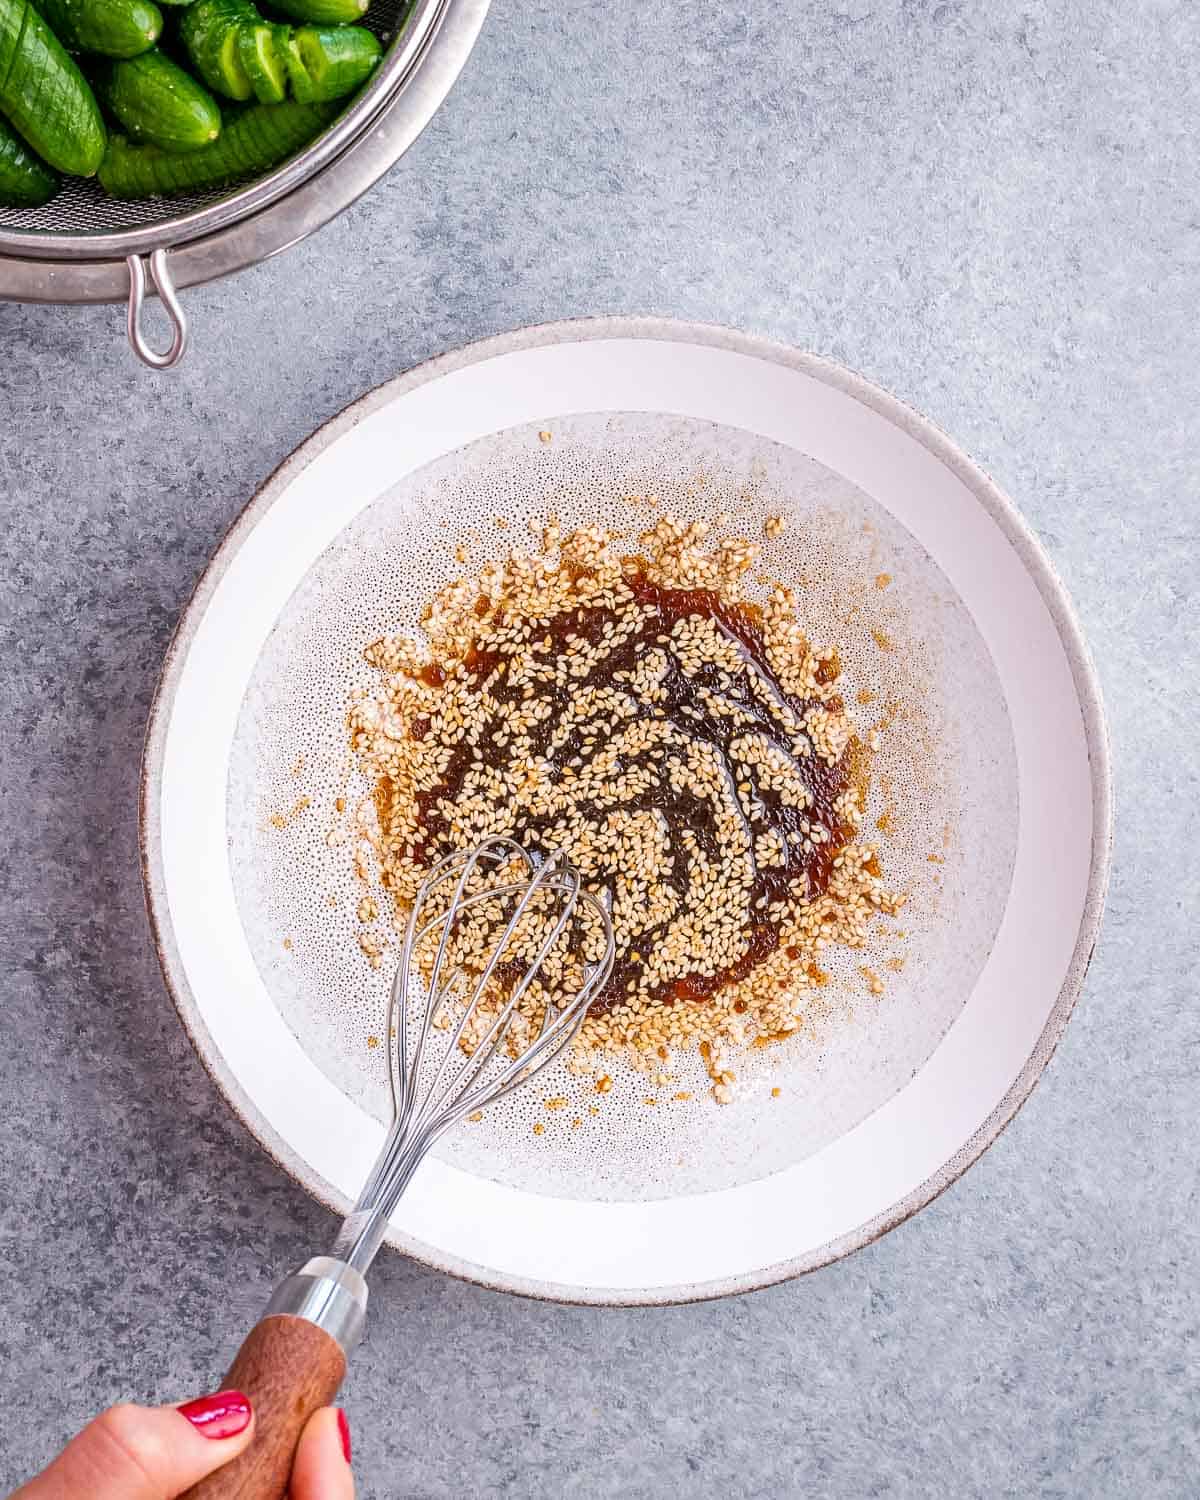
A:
x,y
344,1433
222,1415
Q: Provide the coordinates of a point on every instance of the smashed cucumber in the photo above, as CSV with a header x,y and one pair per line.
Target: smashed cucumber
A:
x,y
261,56
312,64
240,55
157,102
330,62
323,12
44,94
211,30
25,180
252,141
112,28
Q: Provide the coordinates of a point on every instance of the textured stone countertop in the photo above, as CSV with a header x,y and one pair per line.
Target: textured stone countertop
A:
x,y
991,210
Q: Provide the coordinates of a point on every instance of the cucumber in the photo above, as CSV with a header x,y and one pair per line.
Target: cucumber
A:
x,y
252,141
211,31
261,57
330,62
25,180
240,55
113,28
45,95
322,12
156,101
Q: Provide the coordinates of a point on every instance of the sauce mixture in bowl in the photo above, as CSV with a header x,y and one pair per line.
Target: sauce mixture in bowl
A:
x,y
690,750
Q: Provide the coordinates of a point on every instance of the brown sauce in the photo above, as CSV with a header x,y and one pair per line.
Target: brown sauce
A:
x,y
807,867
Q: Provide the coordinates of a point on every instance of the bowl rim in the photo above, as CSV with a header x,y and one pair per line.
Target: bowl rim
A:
x,y
996,504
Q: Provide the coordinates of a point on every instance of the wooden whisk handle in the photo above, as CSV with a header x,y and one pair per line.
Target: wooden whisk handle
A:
x,y
289,1368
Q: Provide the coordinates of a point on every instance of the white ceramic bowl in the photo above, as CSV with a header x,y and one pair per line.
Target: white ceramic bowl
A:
x,y
888,1100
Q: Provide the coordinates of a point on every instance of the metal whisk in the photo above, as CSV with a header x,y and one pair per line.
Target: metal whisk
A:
x,y
462,1046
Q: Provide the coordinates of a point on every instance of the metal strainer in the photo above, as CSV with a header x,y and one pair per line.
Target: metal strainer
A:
x,y
86,247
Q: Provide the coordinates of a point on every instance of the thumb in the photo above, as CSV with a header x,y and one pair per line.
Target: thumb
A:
x,y
147,1452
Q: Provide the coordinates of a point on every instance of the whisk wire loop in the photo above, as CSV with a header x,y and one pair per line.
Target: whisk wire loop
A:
x,y
429,1097
486,1047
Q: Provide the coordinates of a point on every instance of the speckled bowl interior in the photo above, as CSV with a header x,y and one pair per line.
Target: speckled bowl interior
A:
x,y
990,785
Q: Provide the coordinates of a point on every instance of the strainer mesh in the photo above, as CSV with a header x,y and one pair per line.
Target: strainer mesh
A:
x,y
81,205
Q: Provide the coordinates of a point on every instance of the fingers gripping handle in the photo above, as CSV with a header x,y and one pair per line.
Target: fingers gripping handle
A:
x,y
291,1365
289,1368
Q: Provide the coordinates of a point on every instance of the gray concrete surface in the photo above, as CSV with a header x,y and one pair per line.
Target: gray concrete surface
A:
x,y
992,211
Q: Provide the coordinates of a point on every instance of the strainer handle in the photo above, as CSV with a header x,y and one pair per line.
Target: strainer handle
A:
x,y
161,276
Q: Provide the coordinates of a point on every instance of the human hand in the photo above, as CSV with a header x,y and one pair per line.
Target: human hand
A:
x,y
159,1452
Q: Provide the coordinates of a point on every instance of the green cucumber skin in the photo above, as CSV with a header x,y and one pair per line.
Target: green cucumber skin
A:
x,y
252,142
260,56
323,12
159,104
110,28
328,63
44,94
25,180
240,55
210,31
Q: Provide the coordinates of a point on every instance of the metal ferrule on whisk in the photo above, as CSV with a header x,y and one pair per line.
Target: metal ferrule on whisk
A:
x,y
327,1292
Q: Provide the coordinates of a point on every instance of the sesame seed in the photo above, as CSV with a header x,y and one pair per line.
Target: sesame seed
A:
x,y
675,753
